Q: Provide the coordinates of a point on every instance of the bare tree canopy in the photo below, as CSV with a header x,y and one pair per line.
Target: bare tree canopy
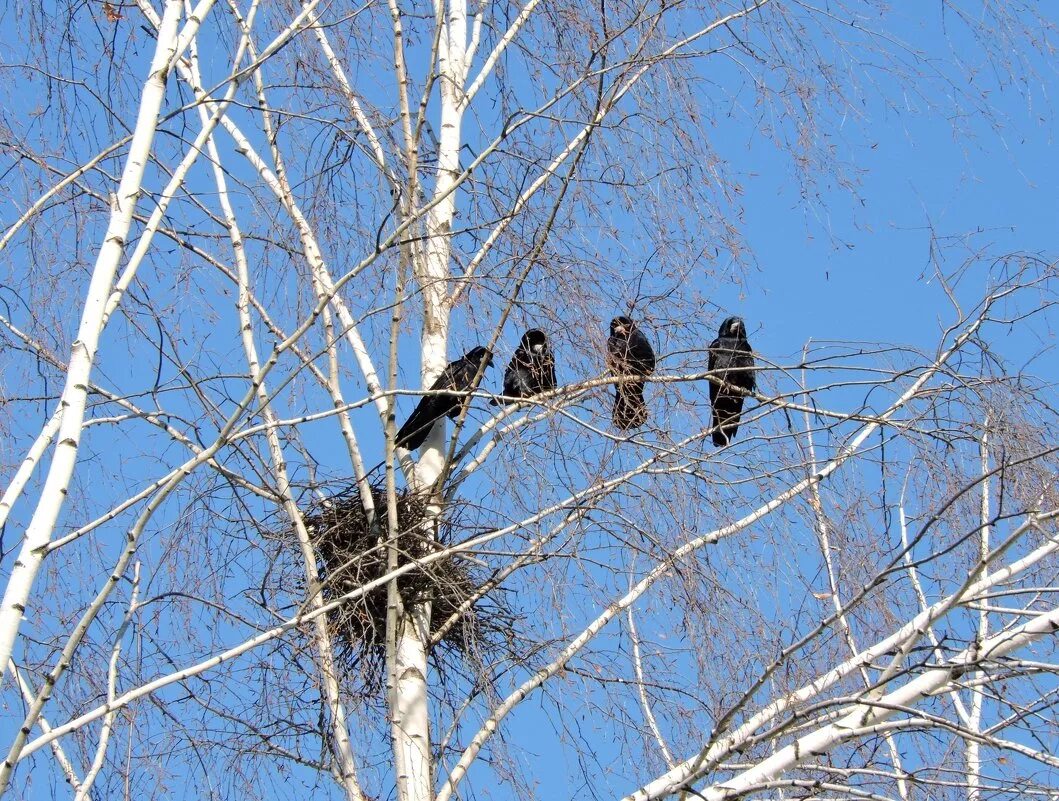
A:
x,y
757,498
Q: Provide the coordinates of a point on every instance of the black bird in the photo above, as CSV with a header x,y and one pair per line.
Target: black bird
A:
x,y
532,368
732,362
458,376
629,353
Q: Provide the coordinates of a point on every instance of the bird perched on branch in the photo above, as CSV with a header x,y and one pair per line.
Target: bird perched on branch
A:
x,y
532,367
629,353
732,365
458,376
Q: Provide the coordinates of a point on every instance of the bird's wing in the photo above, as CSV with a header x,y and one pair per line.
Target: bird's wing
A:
x,y
450,376
641,352
511,378
522,380
417,427
453,377
712,365
748,378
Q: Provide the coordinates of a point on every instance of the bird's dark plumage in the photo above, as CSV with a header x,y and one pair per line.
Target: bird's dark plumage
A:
x,y
731,362
532,368
458,376
629,353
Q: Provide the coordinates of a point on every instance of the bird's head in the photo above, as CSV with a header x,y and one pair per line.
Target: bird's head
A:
x,y
479,355
534,340
733,327
621,326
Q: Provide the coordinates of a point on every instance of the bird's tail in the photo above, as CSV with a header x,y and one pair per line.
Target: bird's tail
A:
x,y
726,421
630,408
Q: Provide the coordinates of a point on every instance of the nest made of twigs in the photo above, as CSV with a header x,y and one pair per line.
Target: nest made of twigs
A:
x,y
353,550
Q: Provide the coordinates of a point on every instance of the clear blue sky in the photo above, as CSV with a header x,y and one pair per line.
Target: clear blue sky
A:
x,y
830,265
857,266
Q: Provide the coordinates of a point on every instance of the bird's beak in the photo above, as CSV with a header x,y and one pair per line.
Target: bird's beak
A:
x,y
538,348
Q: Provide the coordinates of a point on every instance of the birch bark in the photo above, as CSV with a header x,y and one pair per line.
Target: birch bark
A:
x,y
974,723
409,695
83,352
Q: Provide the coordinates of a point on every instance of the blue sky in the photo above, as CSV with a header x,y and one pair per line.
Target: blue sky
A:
x,y
840,265
859,266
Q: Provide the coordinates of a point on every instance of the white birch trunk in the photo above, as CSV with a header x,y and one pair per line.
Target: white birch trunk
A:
x,y
29,464
410,711
83,351
973,755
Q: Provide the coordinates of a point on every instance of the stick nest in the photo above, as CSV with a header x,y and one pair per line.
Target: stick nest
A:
x,y
466,631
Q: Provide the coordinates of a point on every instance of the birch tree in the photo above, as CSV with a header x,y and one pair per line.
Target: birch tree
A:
x,y
242,240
